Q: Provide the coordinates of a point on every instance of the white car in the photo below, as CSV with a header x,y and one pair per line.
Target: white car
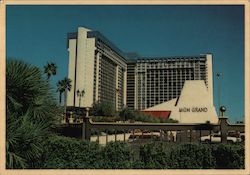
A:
x,y
216,138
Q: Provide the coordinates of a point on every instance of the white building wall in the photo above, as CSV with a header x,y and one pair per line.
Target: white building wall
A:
x,y
210,76
71,71
136,88
194,104
116,88
85,67
89,73
125,87
97,76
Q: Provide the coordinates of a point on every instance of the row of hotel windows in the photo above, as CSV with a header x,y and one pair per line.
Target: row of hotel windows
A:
x,y
171,59
169,64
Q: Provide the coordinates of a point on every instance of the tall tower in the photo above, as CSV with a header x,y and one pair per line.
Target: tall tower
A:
x,y
98,67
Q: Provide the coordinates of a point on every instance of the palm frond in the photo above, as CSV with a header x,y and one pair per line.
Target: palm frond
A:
x,y
31,113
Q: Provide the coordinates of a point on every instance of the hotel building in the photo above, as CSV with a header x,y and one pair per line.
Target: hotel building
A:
x,y
155,80
171,87
98,67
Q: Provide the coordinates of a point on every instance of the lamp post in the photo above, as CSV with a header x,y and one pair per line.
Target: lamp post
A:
x,y
222,110
218,75
80,94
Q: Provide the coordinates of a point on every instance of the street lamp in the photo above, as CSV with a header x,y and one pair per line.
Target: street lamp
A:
x,y
80,94
218,75
222,110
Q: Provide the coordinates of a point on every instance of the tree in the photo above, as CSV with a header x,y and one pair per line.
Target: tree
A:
x,y
103,109
50,69
63,87
31,113
126,114
60,89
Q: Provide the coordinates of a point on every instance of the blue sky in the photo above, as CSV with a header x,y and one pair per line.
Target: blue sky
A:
x,y
38,34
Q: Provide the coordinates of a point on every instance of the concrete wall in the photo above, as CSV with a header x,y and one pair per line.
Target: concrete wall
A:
x,y
210,75
71,71
97,76
81,58
85,67
125,87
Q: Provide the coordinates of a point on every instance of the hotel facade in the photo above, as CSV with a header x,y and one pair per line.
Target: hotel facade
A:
x,y
97,67
149,84
154,80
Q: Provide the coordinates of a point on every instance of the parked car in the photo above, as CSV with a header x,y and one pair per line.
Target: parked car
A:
x,y
237,134
216,138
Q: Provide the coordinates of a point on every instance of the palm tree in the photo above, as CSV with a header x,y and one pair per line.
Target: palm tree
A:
x,y
31,113
50,69
60,89
63,86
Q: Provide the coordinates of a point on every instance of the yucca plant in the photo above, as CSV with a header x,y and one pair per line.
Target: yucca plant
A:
x,y
31,113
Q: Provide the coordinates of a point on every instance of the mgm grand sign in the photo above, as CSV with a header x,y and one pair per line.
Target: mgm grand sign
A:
x,y
193,109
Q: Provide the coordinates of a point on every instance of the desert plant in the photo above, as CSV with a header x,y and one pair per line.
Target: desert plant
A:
x,y
31,113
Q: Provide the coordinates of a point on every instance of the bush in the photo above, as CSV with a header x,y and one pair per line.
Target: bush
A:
x,y
155,155
192,156
69,153
127,114
140,116
65,152
103,109
116,155
105,119
162,155
229,156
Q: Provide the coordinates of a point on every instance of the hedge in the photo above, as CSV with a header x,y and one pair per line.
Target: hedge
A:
x,y
192,156
64,152
228,156
70,153
186,156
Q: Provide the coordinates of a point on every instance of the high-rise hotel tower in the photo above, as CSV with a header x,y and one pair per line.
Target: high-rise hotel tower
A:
x,y
107,75
154,80
98,67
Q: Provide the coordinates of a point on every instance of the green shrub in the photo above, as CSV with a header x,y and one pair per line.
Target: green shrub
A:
x,y
155,155
192,156
103,109
229,156
116,155
69,153
65,152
